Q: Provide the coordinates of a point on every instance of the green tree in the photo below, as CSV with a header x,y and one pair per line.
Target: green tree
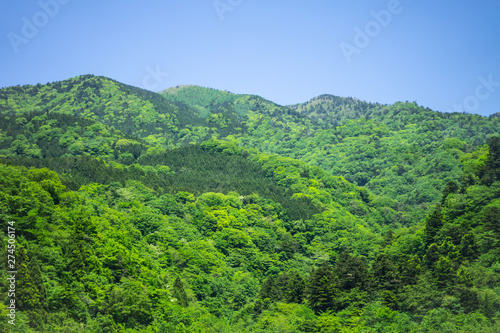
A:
x,y
82,259
491,219
433,224
444,272
491,171
179,293
269,289
468,247
451,187
385,273
352,272
322,289
432,256
410,268
294,289
31,295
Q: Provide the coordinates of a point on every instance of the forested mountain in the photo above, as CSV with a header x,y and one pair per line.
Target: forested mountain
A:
x,y
412,148
199,210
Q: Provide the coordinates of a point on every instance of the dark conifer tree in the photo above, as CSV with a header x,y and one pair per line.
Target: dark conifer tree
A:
x,y
322,289
492,165
385,274
410,268
352,272
451,187
180,293
432,256
30,290
491,220
294,290
433,224
269,289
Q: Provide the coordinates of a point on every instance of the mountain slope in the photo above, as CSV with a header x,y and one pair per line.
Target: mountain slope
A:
x,y
131,110
116,231
122,257
403,151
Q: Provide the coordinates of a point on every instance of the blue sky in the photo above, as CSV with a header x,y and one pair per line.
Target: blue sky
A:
x,y
442,54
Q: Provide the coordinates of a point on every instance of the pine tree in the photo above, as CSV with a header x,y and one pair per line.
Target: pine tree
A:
x,y
444,272
385,274
389,299
322,289
468,247
432,256
433,224
269,289
30,291
352,272
410,268
491,171
451,187
294,290
491,220
81,251
180,293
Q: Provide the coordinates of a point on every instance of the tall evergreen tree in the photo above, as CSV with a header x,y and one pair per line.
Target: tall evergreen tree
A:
x,y
444,272
491,220
433,224
492,165
410,268
451,187
30,290
180,293
352,272
269,289
81,250
432,256
294,290
385,274
322,289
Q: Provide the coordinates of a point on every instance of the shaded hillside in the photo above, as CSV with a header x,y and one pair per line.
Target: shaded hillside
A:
x,y
46,135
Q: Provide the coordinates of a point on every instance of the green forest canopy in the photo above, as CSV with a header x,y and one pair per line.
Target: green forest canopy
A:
x,y
198,210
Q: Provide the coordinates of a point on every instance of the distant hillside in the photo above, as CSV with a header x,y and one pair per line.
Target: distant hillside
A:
x,y
332,110
131,110
404,151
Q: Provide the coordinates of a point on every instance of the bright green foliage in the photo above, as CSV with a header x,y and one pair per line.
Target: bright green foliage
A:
x,y
421,148
334,215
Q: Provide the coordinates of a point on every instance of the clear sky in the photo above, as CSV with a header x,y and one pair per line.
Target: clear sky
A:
x,y
441,54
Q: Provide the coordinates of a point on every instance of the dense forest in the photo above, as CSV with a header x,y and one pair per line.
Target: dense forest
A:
x,y
199,210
